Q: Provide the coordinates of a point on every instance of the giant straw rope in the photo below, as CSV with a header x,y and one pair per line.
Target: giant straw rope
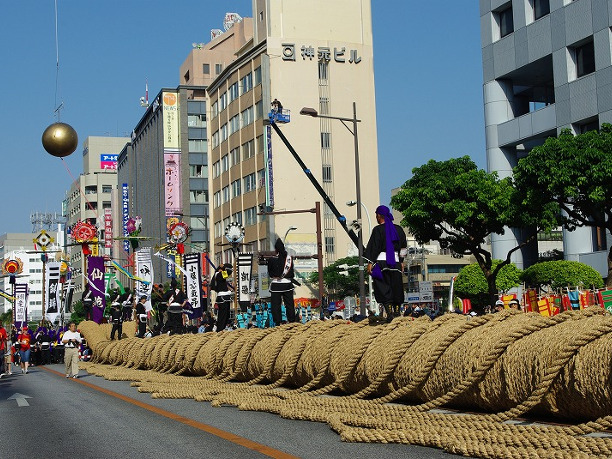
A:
x,y
389,382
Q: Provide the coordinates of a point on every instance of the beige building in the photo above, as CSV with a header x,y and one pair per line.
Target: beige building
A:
x,y
91,195
318,56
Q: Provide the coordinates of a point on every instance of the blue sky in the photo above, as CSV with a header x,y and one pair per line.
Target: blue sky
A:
x,y
427,72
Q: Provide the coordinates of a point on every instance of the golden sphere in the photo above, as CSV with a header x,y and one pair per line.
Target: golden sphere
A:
x,y
60,140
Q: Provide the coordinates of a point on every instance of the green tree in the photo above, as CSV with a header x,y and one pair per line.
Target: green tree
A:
x,y
336,282
460,206
560,274
471,282
574,172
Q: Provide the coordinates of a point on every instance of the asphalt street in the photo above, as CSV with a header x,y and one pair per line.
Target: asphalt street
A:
x,y
43,413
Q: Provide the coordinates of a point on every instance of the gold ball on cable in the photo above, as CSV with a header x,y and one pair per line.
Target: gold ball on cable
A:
x,y
60,139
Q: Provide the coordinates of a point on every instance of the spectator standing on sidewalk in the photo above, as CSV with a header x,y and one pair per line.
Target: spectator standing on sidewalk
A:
x,y
72,341
3,347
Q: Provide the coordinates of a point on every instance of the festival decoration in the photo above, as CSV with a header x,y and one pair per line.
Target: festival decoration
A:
x,y
12,266
178,234
84,233
60,140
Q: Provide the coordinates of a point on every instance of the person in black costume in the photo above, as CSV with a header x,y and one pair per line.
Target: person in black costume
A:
x,y
159,305
126,301
385,254
219,283
141,316
280,269
175,298
87,299
116,319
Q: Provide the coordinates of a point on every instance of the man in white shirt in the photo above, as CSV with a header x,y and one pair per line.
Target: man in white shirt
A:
x,y
72,341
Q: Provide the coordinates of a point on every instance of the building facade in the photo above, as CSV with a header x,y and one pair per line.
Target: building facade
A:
x,y
317,56
547,66
91,196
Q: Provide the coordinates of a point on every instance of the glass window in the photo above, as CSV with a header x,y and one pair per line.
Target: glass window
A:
x,y
217,199
327,173
218,68
215,109
198,171
216,169
329,244
223,101
250,216
234,156
585,59
257,73
196,120
246,83
215,139
198,223
247,116
226,193
223,133
236,188
324,106
206,69
261,178
237,217
234,124
233,92
198,196
259,113
248,150
224,163
249,182
218,229
540,8
505,21
325,140
198,146
107,188
260,144
323,70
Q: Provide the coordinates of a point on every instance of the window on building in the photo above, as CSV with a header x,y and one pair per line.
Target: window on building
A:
x,y
206,69
325,139
218,68
323,74
248,150
196,120
259,113
198,223
257,73
584,58
261,178
107,188
324,106
249,182
246,83
224,163
247,116
234,124
504,20
216,169
223,131
237,217
236,188
218,229
215,139
234,156
91,189
198,196
260,144
186,76
106,204
233,92
329,244
250,216
223,101
327,173
215,109
198,146
217,199
225,192
540,8
592,124
198,171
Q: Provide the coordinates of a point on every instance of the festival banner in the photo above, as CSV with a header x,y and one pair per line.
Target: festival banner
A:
x,y
606,300
52,289
172,184
20,307
125,213
108,228
544,307
245,268
506,299
531,300
144,268
95,277
69,291
193,284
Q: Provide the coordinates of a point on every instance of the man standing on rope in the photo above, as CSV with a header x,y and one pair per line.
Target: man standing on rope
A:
x,y
385,254
175,298
87,299
280,269
219,283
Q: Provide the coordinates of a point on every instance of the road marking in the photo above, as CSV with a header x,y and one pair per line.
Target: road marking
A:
x,y
21,399
228,436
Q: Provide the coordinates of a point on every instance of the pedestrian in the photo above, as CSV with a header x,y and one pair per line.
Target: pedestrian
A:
x,y
220,284
24,339
141,316
87,300
117,320
385,254
3,347
280,269
72,341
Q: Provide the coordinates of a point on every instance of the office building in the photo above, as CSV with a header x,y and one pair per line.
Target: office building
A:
x,y
547,66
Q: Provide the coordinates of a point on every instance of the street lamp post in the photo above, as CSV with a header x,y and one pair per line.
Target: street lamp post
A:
x,y
291,228
351,204
312,112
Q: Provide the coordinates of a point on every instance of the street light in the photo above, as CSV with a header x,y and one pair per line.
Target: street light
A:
x,y
291,228
312,112
351,204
